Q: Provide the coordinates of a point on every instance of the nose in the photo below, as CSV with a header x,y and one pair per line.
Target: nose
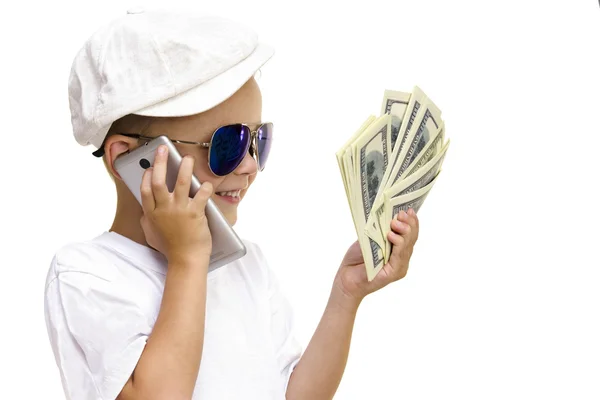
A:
x,y
247,166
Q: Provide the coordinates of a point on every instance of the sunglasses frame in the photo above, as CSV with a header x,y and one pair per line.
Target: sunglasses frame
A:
x,y
253,142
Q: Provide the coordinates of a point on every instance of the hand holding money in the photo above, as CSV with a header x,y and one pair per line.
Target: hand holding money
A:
x,y
351,280
390,165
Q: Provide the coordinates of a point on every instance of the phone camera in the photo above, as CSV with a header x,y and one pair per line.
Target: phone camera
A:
x,y
144,163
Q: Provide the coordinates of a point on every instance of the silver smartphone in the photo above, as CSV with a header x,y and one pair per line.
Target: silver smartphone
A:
x,y
226,245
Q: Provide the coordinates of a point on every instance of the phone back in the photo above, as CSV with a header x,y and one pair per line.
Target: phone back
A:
x,y
226,245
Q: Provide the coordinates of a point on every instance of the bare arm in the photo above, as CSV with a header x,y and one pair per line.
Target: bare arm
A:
x,y
176,226
169,365
319,372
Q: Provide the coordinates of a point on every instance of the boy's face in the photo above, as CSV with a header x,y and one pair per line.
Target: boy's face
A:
x,y
245,106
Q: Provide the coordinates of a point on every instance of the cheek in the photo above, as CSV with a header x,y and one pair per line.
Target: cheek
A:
x,y
204,174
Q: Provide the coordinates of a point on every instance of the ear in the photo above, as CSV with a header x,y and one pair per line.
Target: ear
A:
x,y
115,146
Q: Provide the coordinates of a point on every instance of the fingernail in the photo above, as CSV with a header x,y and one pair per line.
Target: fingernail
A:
x,y
161,149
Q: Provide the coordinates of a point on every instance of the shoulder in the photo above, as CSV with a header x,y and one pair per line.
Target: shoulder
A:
x,y
251,268
84,258
256,258
256,261
84,283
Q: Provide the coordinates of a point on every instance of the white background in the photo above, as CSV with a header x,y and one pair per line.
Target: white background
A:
x,y
502,299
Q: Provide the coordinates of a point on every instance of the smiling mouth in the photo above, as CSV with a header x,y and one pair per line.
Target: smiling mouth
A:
x,y
230,193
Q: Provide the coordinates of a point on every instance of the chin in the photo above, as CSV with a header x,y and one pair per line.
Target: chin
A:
x,y
232,219
228,210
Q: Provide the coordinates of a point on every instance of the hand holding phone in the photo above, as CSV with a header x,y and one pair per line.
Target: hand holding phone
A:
x,y
226,245
174,223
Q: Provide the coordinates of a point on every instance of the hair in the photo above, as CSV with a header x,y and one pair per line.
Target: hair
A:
x,y
130,123
140,124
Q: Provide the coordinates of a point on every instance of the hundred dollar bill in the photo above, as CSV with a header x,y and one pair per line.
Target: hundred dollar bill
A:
x,y
404,202
390,164
421,178
373,256
428,124
371,172
418,107
370,153
344,161
417,100
395,103
431,150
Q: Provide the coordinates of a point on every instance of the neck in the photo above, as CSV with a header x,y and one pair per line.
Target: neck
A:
x,y
127,218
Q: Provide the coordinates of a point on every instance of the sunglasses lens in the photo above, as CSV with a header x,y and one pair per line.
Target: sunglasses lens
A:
x,y
264,140
228,148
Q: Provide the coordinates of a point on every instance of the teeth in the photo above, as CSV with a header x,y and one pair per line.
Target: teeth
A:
x,y
235,193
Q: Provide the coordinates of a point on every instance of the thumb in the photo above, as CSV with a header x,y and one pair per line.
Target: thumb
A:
x,y
353,254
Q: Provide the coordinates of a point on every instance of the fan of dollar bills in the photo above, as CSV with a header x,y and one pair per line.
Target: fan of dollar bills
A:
x,y
390,164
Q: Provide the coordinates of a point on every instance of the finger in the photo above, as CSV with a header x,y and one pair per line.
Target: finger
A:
x,y
203,194
416,218
402,216
148,203
412,218
397,240
400,227
159,185
414,223
398,266
184,179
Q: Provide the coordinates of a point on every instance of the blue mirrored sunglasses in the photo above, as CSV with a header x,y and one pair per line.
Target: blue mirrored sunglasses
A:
x,y
228,146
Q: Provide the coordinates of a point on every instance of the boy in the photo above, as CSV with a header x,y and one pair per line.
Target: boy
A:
x,y
134,313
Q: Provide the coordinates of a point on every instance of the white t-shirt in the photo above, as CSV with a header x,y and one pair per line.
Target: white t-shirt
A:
x,y
102,299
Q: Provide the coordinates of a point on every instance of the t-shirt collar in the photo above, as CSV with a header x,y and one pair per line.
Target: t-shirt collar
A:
x,y
138,253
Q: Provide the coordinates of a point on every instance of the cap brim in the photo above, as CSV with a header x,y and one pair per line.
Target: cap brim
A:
x,y
211,93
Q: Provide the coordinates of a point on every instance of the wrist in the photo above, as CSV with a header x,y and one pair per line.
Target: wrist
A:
x,y
342,301
189,259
